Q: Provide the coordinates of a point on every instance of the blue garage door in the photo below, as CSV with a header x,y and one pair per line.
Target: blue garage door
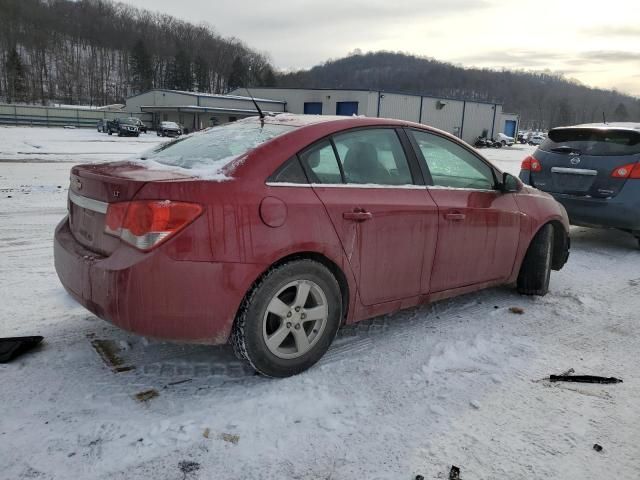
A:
x,y
313,108
510,128
347,108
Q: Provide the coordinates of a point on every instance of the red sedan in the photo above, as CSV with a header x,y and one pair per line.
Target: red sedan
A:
x,y
272,233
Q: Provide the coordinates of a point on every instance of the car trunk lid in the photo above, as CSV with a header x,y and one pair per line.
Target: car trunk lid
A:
x,y
580,161
94,187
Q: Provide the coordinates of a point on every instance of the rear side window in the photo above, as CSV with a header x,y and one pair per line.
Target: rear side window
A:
x,y
290,172
217,146
322,164
373,156
593,141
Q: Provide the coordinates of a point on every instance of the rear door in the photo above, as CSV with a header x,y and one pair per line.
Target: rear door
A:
x,y
585,161
478,226
386,222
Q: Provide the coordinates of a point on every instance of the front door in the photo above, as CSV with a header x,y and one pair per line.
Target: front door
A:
x,y
387,224
478,226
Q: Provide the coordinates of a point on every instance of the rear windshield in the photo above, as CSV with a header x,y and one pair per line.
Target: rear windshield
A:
x,y
216,146
592,141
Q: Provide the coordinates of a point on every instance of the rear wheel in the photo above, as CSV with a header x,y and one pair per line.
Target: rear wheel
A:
x,y
535,271
289,319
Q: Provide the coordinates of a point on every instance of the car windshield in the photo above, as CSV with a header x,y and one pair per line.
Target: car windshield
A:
x,y
593,141
170,124
133,121
216,146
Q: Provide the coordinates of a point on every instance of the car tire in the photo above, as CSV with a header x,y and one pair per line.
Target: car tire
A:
x,y
504,143
535,271
110,132
274,343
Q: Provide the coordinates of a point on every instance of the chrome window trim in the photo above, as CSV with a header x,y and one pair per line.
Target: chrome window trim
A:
x,y
575,171
359,185
342,185
88,203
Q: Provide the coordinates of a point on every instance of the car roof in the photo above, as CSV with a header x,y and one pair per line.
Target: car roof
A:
x,y
605,126
336,122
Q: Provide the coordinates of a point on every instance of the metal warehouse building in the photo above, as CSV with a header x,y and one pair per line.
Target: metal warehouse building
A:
x,y
196,110
464,118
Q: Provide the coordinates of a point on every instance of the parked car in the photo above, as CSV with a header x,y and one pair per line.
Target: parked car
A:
x,y
594,171
136,121
253,233
536,139
102,126
124,127
169,129
505,140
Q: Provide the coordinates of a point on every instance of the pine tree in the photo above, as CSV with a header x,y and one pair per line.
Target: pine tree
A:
x,y
238,75
182,73
141,68
268,77
16,81
203,77
620,114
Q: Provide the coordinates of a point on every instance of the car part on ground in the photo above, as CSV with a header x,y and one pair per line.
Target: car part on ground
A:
x,y
212,236
583,379
13,347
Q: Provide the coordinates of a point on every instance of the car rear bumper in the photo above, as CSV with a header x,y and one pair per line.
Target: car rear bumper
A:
x,y
621,211
152,294
600,212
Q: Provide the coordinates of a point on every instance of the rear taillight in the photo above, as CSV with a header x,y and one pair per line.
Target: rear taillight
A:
x,y
531,164
145,224
631,170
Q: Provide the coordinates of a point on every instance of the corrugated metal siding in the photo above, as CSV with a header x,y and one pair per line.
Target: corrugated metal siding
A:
x,y
448,118
403,107
367,101
478,117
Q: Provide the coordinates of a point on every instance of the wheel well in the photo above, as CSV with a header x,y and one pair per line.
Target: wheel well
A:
x,y
333,268
560,245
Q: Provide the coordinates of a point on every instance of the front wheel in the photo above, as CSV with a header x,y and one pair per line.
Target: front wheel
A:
x,y
535,271
289,319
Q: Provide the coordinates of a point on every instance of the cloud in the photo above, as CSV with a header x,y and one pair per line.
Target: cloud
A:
x,y
610,56
613,31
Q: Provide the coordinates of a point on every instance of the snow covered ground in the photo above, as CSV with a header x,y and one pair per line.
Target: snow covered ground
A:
x,y
412,393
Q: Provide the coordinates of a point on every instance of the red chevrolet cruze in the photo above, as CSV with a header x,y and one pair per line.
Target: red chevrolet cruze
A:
x,y
272,233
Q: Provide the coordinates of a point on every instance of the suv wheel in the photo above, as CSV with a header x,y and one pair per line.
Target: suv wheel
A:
x,y
289,319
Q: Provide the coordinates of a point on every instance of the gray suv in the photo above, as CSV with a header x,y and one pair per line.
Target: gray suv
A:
x,y
594,171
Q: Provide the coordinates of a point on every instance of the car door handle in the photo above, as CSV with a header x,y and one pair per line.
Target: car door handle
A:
x,y
358,215
455,216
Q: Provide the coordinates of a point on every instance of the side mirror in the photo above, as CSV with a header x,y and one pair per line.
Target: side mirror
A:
x,y
510,184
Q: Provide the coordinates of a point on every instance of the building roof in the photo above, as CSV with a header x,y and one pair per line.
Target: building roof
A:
x,y
209,95
199,109
368,90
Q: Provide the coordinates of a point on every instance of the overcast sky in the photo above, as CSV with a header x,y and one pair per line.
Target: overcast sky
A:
x,y
595,42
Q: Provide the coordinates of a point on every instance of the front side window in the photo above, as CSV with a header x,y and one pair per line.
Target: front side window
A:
x,y
373,156
451,165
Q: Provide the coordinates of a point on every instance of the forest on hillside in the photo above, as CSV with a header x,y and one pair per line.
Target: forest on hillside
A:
x,y
543,100
98,52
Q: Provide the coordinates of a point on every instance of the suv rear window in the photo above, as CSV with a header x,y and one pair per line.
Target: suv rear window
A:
x,y
216,146
593,141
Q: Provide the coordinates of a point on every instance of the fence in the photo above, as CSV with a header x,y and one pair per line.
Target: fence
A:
x,y
31,115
